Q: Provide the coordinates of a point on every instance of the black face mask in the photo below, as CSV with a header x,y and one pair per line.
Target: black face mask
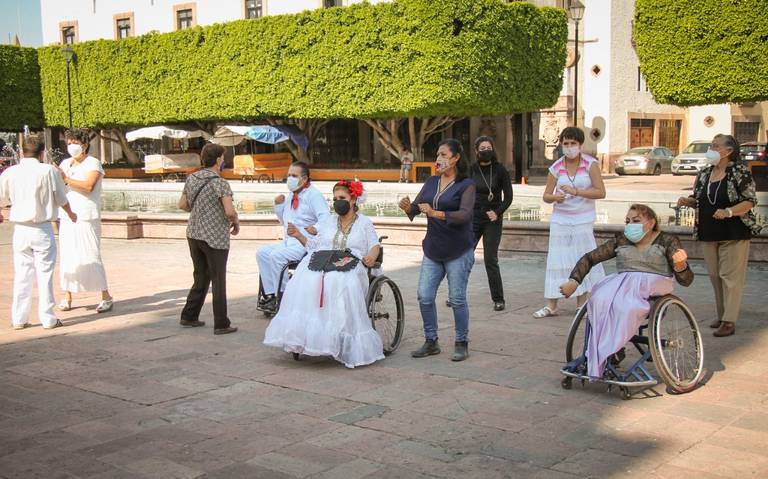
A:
x,y
486,156
341,207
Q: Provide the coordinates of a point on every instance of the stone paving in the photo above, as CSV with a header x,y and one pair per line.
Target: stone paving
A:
x,y
131,394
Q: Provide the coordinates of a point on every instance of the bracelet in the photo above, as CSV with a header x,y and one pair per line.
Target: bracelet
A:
x,y
730,212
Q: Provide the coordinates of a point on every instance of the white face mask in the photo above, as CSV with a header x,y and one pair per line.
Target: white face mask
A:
x,y
713,157
74,149
571,152
292,182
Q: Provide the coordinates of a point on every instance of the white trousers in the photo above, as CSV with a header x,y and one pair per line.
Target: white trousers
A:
x,y
34,254
272,258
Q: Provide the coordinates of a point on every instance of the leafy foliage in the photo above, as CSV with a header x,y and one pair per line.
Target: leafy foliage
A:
x,y
701,52
20,99
405,58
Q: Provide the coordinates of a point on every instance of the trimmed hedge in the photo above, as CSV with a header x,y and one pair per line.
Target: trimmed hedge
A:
x,y
20,99
405,58
700,52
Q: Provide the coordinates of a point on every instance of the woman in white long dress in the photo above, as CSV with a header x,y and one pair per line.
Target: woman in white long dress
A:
x,y
325,314
81,268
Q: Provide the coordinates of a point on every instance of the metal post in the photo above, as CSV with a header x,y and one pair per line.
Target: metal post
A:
x,y
576,79
69,96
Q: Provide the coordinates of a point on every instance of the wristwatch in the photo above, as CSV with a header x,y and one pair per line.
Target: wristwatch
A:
x,y
730,212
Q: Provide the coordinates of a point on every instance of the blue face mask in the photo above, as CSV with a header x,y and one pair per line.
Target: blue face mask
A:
x,y
634,232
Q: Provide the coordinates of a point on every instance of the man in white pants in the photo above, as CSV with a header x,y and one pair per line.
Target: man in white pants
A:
x,y
303,207
35,191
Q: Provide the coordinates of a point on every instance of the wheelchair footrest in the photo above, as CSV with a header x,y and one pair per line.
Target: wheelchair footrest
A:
x,y
615,382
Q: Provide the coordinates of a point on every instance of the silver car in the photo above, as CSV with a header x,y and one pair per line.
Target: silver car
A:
x,y
692,160
645,160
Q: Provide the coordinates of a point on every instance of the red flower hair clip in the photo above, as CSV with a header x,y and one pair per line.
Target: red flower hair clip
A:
x,y
355,187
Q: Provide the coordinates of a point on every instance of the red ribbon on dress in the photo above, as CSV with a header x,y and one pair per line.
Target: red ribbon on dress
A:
x,y
322,288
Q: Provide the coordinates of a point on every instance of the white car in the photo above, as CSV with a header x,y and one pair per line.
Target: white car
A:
x,y
692,160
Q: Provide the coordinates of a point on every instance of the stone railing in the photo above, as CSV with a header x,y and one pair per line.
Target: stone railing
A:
x,y
518,236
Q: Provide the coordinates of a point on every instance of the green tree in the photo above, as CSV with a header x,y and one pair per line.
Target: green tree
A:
x,y
702,52
20,99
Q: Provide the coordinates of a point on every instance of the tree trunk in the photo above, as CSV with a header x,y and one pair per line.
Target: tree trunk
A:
x,y
419,131
311,128
117,135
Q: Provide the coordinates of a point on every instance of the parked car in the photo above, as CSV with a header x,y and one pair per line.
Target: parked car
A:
x,y
692,159
645,160
754,151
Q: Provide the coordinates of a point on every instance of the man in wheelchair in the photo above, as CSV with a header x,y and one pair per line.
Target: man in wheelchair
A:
x,y
323,310
647,260
303,207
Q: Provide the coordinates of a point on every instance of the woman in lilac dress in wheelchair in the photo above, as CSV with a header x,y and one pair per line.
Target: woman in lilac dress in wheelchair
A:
x,y
647,260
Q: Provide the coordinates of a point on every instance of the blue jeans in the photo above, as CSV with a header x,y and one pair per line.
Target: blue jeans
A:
x,y
432,274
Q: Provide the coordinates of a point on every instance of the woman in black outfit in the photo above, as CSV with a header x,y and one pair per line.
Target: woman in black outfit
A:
x,y
493,197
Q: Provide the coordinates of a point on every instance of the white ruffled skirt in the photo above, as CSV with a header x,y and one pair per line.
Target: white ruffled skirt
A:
x,y
567,244
80,265
340,328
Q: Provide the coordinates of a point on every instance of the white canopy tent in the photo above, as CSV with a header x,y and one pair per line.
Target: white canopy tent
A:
x,y
158,132
231,135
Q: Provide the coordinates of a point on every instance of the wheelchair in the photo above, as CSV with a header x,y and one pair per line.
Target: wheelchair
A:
x,y
383,300
670,340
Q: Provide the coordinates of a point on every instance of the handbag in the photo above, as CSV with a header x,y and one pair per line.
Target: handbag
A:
x,y
333,260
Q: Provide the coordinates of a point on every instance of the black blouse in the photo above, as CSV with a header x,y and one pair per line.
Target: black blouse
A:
x,y
727,229
497,178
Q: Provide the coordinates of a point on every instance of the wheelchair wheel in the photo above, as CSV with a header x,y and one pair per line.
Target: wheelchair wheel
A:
x,y
676,345
385,308
576,344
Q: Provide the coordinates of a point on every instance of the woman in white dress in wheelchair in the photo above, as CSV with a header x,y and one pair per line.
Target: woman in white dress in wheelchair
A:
x,y
323,311
647,260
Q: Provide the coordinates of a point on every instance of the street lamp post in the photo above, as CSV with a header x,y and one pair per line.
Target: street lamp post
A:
x,y
576,9
69,54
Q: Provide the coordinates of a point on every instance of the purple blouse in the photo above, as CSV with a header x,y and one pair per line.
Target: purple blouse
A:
x,y
447,239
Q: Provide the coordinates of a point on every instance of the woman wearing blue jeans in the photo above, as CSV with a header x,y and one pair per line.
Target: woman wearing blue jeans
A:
x,y
447,200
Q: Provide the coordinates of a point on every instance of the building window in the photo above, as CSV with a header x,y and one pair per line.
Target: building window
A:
x,y
745,131
254,9
185,15
68,35
124,26
641,85
68,31
183,19
331,3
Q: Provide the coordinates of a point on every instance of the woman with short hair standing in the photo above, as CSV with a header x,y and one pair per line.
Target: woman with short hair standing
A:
x,y
447,200
724,194
81,268
208,198
493,197
574,183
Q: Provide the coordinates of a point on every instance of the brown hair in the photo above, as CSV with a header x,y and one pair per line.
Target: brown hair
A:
x,y
80,135
648,212
211,152
572,133
33,146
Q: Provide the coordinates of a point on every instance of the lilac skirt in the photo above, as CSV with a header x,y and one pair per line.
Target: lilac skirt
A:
x,y
618,307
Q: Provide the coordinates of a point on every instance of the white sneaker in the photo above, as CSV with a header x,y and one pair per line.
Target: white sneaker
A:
x,y
65,305
104,306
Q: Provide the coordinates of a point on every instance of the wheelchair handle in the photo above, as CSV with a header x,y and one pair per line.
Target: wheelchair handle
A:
x,y
382,238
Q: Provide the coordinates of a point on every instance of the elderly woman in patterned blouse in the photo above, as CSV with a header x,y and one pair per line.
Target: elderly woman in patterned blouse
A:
x,y
724,194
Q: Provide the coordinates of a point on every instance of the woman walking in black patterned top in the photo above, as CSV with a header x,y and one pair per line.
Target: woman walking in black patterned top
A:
x,y
213,218
724,194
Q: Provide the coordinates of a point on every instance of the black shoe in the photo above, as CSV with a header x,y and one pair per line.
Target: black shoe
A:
x,y
429,348
499,305
460,351
188,323
264,300
228,330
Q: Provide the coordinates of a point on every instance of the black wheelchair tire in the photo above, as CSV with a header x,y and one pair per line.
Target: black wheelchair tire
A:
x,y
373,290
578,322
657,345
